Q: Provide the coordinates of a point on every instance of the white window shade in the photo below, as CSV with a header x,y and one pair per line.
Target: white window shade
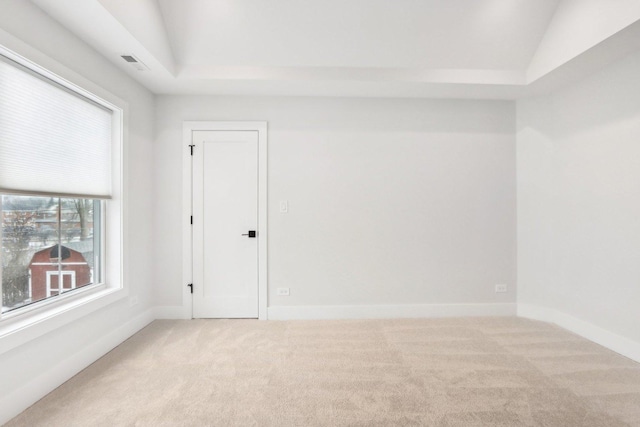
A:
x,y
51,140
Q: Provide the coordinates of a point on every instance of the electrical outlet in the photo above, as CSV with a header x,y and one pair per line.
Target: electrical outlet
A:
x,y
283,292
501,288
284,206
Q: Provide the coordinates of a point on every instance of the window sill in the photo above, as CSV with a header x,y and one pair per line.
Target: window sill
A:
x,y
19,329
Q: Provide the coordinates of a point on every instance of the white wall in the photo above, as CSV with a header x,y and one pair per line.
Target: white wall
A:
x,y
31,370
579,201
576,27
390,201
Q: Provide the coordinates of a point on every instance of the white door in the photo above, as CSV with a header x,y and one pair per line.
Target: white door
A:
x,y
225,220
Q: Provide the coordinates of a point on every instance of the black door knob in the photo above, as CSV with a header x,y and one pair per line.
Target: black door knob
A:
x,y
251,234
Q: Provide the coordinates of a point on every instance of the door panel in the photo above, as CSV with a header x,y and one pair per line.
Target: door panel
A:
x,y
225,183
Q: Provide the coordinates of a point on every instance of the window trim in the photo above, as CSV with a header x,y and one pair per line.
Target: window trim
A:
x,y
20,326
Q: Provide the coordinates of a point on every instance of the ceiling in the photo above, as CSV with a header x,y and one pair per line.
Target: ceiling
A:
x,y
495,49
417,34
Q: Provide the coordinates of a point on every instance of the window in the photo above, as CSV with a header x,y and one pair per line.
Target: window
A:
x,y
59,189
50,245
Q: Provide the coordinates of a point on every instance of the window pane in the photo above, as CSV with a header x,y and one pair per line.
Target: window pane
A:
x,y
49,246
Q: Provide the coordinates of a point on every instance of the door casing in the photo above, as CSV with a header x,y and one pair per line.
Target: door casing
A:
x,y
187,202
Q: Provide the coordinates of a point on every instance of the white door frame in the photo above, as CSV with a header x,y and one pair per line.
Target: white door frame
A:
x,y
187,207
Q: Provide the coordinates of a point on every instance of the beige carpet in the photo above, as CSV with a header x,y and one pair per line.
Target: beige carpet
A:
x,y
430,372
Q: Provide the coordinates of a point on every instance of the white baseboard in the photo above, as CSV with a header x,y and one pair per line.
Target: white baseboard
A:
x,y
171,312
389,311
605,338
20,399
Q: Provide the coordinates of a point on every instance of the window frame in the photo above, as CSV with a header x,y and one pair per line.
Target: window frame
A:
x,y
24,324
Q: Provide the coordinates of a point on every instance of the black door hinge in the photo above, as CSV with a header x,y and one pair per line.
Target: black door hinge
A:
x,y
191,147
191,219
191,286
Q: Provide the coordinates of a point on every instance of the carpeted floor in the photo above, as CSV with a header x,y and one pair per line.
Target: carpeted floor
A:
x,y
430,372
